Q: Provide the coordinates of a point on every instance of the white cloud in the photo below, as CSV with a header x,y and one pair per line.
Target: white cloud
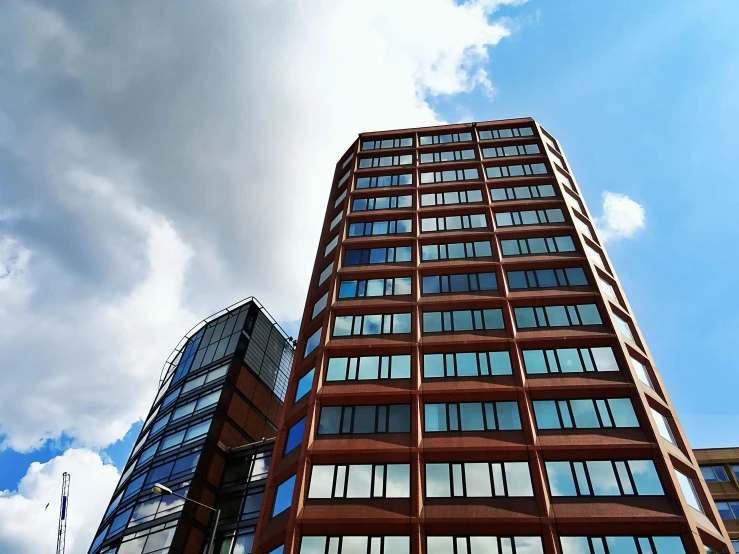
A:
x,y
161,162
622,217
27,528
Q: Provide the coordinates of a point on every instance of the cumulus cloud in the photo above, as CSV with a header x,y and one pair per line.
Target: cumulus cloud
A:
x,y
28,528
622,217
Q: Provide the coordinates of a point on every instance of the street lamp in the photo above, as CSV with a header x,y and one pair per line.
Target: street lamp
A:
x,y
161,490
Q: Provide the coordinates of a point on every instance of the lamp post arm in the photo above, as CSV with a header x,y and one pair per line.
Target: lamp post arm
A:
x,y
193,501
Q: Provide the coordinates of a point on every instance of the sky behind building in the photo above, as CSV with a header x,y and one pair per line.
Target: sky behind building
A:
x,y
142,186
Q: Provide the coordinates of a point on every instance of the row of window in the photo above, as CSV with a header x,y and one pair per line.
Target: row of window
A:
x,y
471,416
557,316
445,138
603,478
393,286
718,473
447,156
366,256
459,282
453,223
518,170
360,481
369,367
386,161
512,150
529,217
396,226
387,143
452,197
382,203
367,419
478,480
375,324
463,320
456,250
585,413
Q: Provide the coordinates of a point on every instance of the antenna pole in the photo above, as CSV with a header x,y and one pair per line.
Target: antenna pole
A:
x,y
61,538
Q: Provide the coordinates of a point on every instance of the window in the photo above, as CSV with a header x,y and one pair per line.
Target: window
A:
x,y
183,435
340,199
622,545
151,540
450,176
484,545
529,217
284,496
557,316
594,256
209,399
607,288
467,364
336,221
471,416
728,510
396,226
99,539
453,223
522,193
735,544
158,506
459,282
456,250
686,485
478,480
452,197
120,521
573,203
376,324
713,474
386,161
447,156
344,178
463,320
444,139
382,203
397,286
305,384
384,181
530,247
511,150
235,544
326,273
360,481
506,133
172,468
335,420
387,143
319,306
378,255
604,478
355,545
312,343
569,360
545,278
585,414
205,378
584,229
295,436
623,327
662,426
331,245
641,372
515,170
348,159
278,550
369,368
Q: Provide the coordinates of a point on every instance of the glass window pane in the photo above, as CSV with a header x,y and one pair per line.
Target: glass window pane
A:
x,y
560,479
295,435
623,412
534,362
304,385
466,364
400,367
433,365
437,481
525,318
518,479
462,320
284,496
435,417
507,415
645,477
557,316
584,413
471,414
477,477
400,418
401,323
321,482
685,484
330,420
603,478
359,482
621,545
547,416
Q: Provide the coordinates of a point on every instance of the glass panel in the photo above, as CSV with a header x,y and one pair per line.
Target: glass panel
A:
x,y
560,478
437,480
645,477
518,479
603,478
359,482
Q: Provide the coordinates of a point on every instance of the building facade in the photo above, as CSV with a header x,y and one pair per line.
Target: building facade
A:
x,y
208,437
720,469
469,376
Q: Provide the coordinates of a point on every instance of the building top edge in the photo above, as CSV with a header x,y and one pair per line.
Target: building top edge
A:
x,y
451,126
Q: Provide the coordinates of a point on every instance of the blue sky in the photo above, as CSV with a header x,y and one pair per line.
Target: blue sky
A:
x,y
641,95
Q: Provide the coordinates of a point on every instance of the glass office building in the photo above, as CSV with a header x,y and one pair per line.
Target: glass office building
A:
x,y
208,437
469,376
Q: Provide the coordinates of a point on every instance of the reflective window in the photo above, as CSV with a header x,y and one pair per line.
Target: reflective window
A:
x,y
152,540
604,478
355,545
488,134
515,170
450,176
467,364
529,217
382,203
312,343
375,287
686,485
570,360
344,178
728,510
607,288
158,506
557,316
532,247
386,161
510,150
335,420
368,368
641,372
326,273
204,379
521,193
662,426
623,327
305,384
336,221
445,138
463,320
340,199
471,416
319,306
378,255
331,245
396,226
360,481
583,228
456,251
478,479
295,436
183,435
458,282
376,324
384,181
713,474
585,413
545,278
451,197
387,143
453,223
622,545
484,545
594,256
284,496
447,156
